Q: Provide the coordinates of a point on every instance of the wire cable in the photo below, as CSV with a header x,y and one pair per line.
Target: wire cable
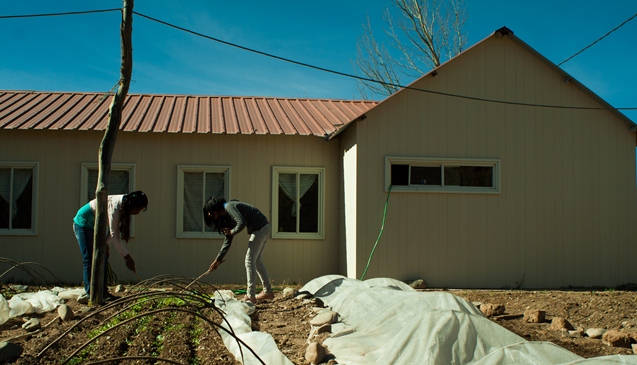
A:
x,y
604,36
59,14
303,64
372,80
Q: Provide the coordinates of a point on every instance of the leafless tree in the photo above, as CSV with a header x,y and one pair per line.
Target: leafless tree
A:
x,y
423,34
106,153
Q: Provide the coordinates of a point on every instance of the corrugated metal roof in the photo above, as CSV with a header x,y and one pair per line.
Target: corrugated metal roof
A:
x,y
179,113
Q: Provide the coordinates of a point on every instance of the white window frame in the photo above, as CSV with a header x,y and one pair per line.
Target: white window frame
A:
x,y
181,169
442,162
276,170
86,166
34,203
129,167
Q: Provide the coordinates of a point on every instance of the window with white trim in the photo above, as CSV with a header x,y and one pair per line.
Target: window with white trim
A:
x,y
195,185
438,175
18,203
298,202
121,180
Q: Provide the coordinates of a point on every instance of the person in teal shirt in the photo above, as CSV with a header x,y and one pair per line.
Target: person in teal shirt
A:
x,y
120,209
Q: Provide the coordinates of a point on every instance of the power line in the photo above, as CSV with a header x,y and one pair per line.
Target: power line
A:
x,y
333,71
604,36
368,79
58,14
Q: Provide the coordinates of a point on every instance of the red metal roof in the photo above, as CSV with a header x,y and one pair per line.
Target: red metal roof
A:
x,y
179,113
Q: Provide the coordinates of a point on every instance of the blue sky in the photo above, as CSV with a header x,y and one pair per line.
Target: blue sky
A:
x,y
81,52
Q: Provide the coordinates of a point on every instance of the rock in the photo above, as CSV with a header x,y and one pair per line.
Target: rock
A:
x,y
65,313
324,328
617,339
490,309
327,317
315,353
288,292
31,325
9,352
534,316
579,332
559,323
634,346
595,332
419,284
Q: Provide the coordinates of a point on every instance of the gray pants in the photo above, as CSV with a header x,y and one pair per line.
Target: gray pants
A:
x,y
254,265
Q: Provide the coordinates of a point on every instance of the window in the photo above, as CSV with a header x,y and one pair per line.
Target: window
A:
x,y
18,187
297,202
121,180
421,174
195,185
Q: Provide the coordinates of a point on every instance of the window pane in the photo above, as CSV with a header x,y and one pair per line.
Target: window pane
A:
x,y
481,176
214,187
400,174
193,202
117,183
308,220
5,189
425,175
287,206
22,198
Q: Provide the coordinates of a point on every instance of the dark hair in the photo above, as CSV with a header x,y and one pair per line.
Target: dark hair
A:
x,y
136,199
215,204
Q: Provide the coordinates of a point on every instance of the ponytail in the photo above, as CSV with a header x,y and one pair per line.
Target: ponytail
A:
x,y
136,199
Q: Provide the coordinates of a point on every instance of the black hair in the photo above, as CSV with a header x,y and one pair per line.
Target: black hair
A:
x,y
136,199
215,204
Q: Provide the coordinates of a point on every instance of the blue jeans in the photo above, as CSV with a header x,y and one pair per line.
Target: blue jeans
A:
x,y
84,237
254,265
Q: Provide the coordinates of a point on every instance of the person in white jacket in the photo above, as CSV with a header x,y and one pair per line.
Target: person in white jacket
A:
x,y
120,209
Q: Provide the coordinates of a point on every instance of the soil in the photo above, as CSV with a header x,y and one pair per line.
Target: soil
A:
x,y
182,331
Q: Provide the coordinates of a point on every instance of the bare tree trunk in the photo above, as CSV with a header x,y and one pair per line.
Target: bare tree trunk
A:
x,y
106,153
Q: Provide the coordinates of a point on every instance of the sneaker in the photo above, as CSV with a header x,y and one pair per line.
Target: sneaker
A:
x,y
265,295
83,299
252,300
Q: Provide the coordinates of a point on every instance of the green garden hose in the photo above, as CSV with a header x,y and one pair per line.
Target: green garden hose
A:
x,y
379,234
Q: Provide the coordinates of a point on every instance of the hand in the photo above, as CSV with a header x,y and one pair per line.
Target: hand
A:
x,y
215,264
130,263
227,231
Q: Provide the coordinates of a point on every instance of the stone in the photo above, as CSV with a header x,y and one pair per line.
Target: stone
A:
x,y
419,284
617,339
534,316
288,292
65,313
490,309
327,317
315,353
634,346
595,332
31,325
559,323
9,352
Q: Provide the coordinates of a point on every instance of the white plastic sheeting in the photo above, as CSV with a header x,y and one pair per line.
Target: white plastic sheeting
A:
x,y
237,314
28,303
384,321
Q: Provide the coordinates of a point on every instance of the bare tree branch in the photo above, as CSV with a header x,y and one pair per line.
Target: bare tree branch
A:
x,y
424,34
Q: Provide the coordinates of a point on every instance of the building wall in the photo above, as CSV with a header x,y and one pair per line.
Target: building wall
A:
x,y
567,209
155,247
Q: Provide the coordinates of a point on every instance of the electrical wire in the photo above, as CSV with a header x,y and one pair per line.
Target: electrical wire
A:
x,y
58,14
303,64
604,36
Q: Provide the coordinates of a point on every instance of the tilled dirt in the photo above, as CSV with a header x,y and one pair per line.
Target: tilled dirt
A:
x,y
172,332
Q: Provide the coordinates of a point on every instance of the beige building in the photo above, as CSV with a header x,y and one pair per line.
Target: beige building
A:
x,y
499,170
